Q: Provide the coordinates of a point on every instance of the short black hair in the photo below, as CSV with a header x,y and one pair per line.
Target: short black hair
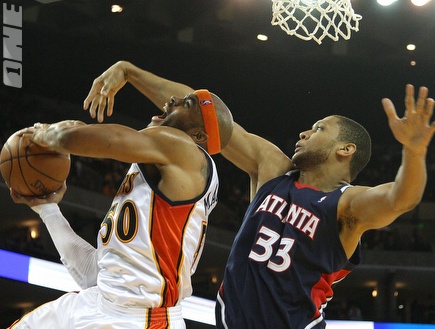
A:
x,y
351,131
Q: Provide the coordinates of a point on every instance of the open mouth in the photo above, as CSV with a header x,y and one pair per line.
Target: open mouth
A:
x,y
157,119
162,116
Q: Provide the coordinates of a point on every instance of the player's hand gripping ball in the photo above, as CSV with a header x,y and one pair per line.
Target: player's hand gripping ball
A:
x,y
30,169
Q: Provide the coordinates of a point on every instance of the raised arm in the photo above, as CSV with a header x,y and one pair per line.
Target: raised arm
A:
x,y
105,87
258,157
378,206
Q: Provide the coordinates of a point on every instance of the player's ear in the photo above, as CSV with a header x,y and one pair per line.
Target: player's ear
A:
x,y
346,149
199,136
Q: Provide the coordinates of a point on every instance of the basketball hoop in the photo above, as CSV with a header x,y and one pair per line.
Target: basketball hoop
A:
x,y
315,19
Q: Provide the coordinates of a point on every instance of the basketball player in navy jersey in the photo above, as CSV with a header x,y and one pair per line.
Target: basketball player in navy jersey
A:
x,y
301,232
151,239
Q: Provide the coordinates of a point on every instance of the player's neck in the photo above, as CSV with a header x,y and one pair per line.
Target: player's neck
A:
x,y
324,181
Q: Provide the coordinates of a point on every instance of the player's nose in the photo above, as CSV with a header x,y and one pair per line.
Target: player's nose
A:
x,y
304,135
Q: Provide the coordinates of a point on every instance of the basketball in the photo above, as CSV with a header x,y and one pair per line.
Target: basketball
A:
x,y
30,169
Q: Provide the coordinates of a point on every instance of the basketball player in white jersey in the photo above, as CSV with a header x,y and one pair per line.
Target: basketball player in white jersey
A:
x,y
151,239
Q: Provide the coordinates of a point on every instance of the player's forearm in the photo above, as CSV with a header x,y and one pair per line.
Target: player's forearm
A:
x,y
255,155
78,256
157,89
77,138
240,150
410,181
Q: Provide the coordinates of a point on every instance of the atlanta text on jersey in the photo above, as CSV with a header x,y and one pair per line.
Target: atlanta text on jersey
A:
x,y
296,216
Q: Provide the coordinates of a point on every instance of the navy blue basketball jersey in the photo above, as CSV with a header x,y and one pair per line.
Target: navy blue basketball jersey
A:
x,y
285,259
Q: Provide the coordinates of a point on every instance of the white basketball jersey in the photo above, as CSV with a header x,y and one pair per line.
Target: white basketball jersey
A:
x,y
148,246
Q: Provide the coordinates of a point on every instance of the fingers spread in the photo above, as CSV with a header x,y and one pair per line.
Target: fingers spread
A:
x,y
389,109
409,98
421,100
428,109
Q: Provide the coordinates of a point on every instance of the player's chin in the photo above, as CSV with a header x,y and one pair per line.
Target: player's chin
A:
x,y
296,160
295,156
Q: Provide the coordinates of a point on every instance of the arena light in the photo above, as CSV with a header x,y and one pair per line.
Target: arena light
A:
x,y
386,2
116,8
262,37
420,3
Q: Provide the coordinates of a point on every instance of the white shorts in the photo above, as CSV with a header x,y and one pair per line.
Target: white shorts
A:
x,y
89,310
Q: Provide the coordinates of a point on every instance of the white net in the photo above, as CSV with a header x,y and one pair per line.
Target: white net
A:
x,y
315,19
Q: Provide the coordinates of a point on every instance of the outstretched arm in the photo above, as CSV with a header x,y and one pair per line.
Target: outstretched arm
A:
x,y
161,145
105,87
170,150
378,206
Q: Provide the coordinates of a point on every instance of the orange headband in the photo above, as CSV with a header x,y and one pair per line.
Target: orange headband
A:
x,y
210,120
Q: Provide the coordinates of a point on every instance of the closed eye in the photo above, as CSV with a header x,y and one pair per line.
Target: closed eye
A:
x,y
188,101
